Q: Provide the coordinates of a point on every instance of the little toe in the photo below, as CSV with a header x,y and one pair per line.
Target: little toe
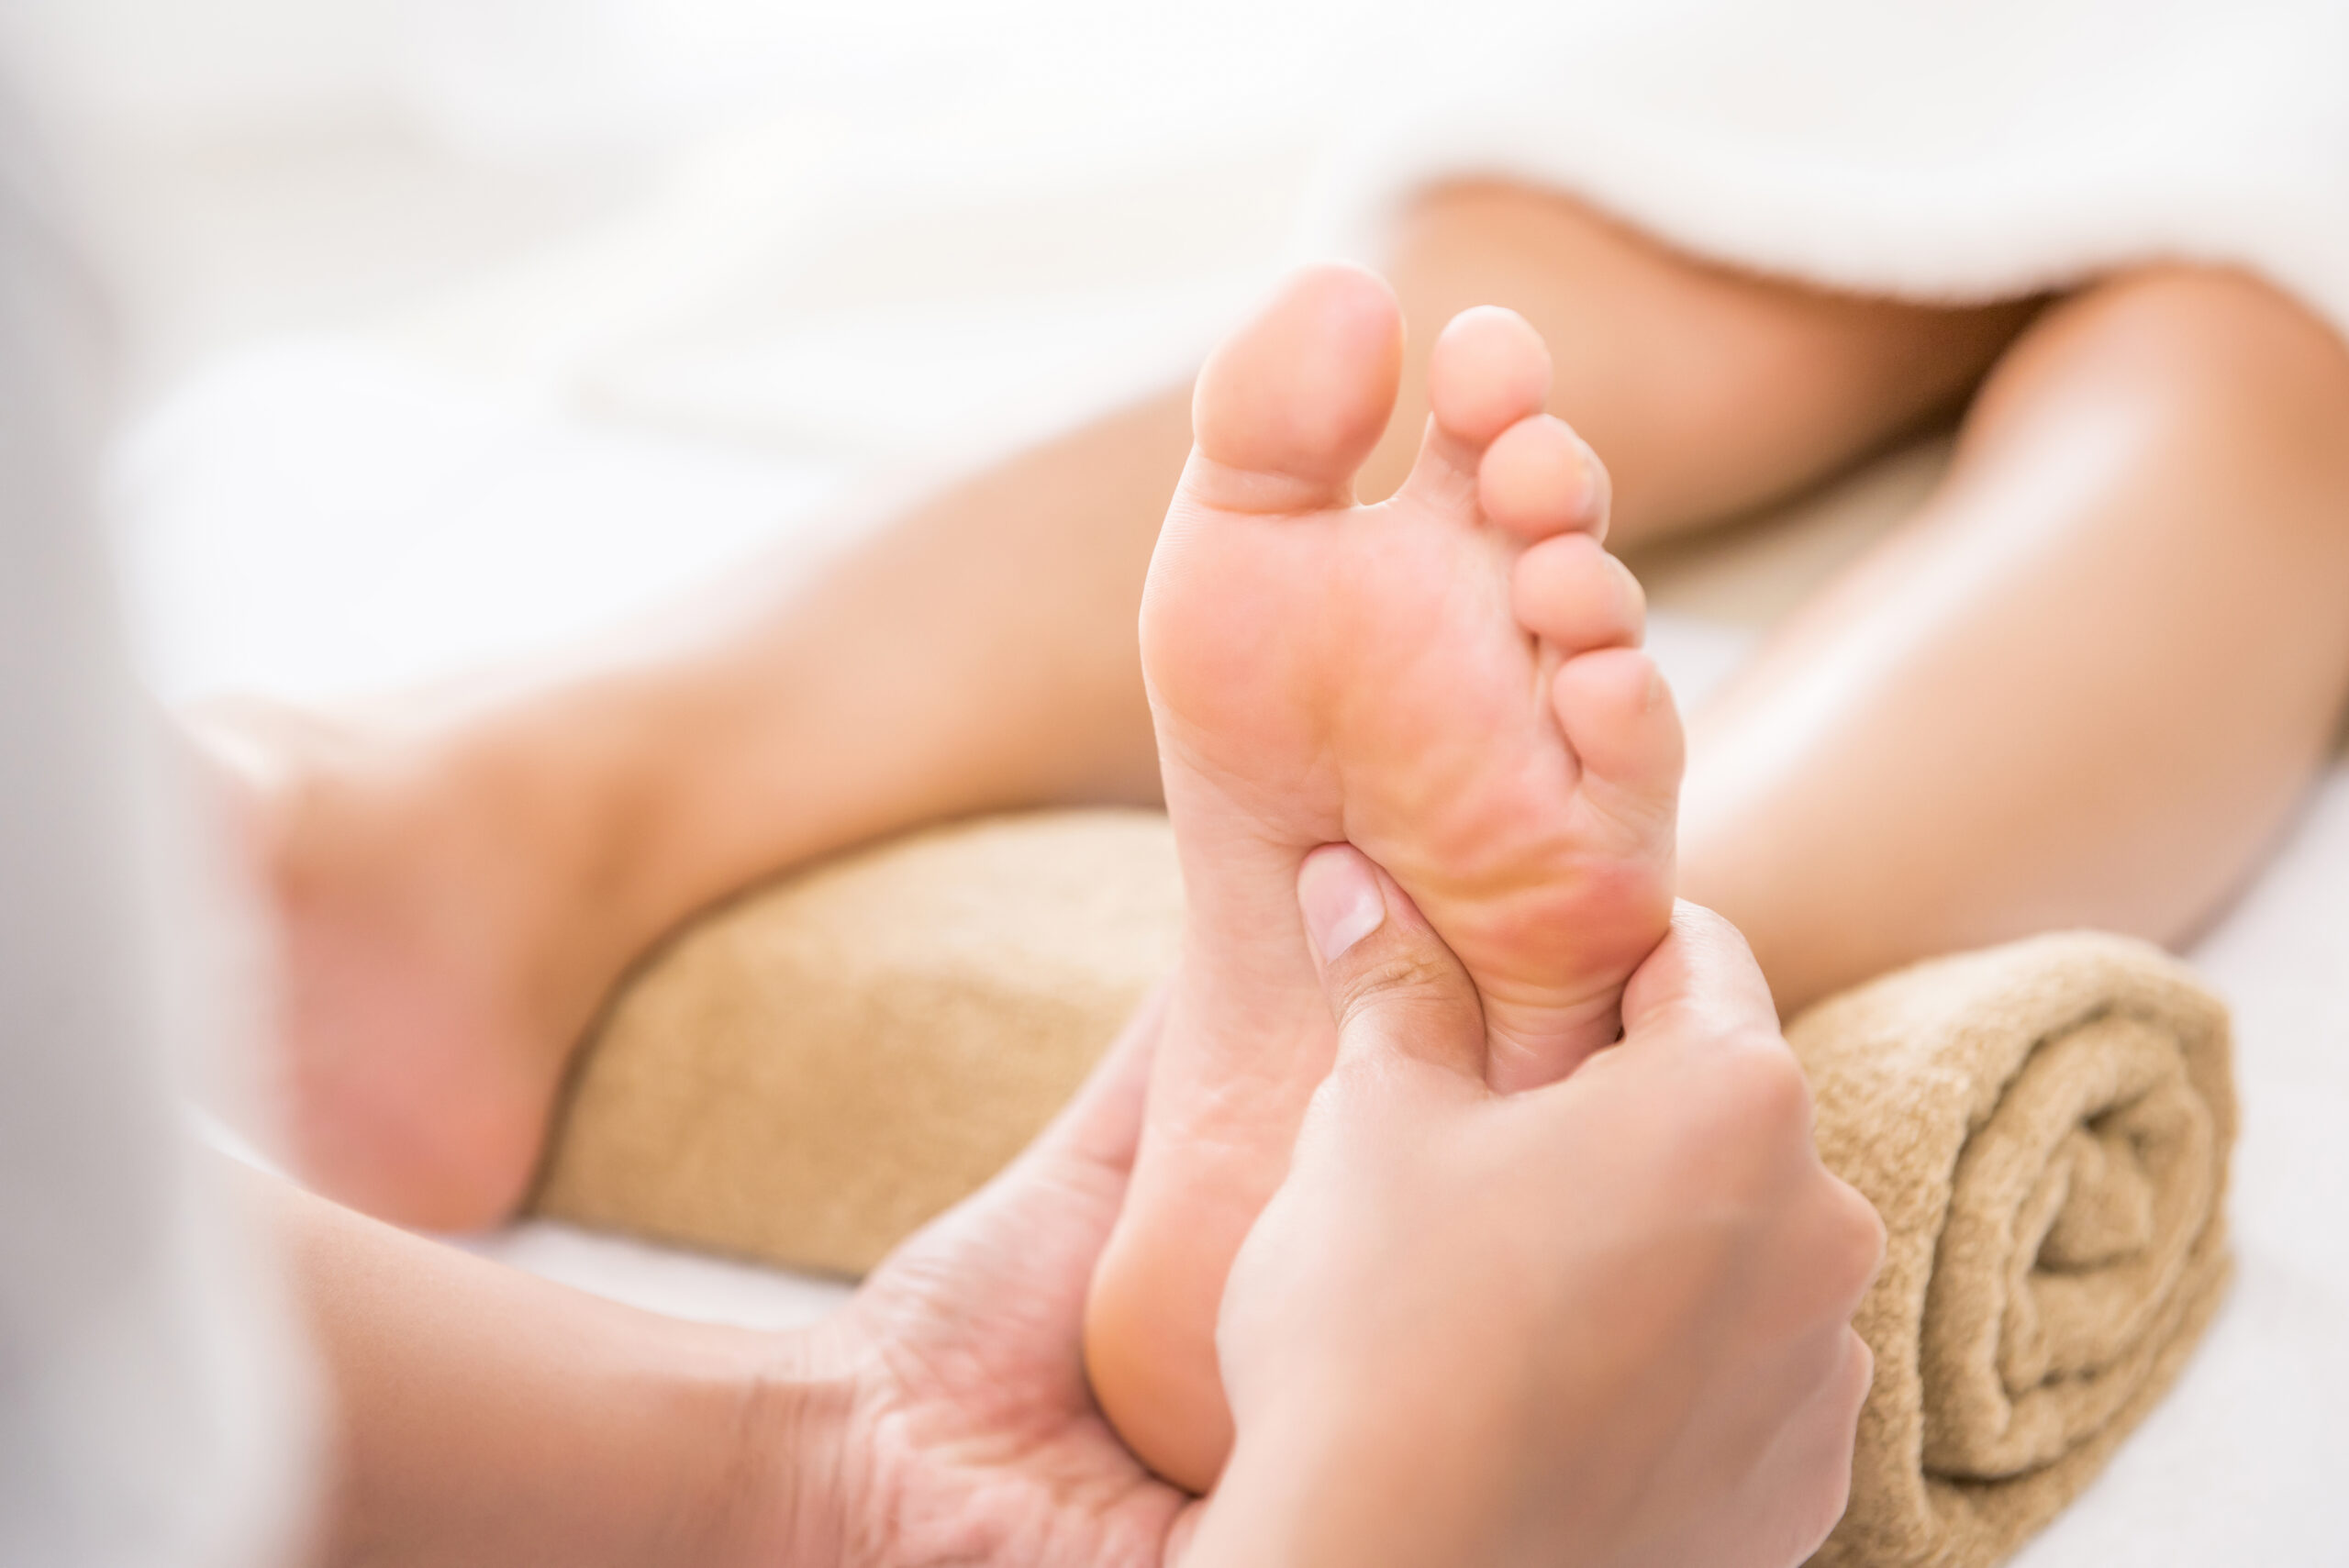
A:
x,y
1538,478
1284,412
1571,593
1619,717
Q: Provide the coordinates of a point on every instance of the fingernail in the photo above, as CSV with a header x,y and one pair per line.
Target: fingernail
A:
x,y
1339,894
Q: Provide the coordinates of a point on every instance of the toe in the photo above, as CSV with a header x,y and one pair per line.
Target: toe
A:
x,y
1487,371
1538,479
1571,593
1617,715
1286,411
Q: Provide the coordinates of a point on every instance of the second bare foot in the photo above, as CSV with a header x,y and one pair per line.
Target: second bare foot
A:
x,y
432,903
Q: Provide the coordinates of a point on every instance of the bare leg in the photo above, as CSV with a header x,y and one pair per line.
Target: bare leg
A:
x,y
1706,390
478,1416
461,877
2086,684
462,880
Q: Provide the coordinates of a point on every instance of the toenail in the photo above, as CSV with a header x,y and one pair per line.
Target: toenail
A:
x,y
1592,502
1339,894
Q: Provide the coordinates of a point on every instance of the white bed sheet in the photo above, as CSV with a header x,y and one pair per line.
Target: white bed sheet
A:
x,y
313,519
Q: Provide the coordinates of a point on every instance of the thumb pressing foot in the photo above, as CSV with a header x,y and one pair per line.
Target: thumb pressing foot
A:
x,y
1395,989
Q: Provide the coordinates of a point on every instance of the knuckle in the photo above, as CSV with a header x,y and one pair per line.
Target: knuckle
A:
x,y
1862,1375
1830,1247
1858,1238
1398,974
1762,1094
1830,1494
1744,1141
1353,1081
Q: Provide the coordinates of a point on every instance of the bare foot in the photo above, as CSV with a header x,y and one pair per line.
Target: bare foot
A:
x,y
1449,681
426,1016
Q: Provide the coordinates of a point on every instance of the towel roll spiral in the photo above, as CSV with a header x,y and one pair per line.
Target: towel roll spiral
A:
x,y
2044,1128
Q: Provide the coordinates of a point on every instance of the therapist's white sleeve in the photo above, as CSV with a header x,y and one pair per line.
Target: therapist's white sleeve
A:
x,y
147,1389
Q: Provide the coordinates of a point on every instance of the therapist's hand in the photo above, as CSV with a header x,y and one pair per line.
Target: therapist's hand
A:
x,y
475,1414
1605,1322
944,1416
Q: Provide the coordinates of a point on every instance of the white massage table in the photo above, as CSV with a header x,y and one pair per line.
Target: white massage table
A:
x,y
563,439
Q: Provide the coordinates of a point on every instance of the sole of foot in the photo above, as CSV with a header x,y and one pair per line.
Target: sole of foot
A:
x,y
1450,680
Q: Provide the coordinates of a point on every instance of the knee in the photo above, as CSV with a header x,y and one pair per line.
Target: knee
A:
x,y
2191,343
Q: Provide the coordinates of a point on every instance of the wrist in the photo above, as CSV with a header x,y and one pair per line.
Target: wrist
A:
x,y
784,1464
1332,1483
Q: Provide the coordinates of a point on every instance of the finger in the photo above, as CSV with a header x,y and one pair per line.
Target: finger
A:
x,y
1394,988
1102,1126
1045,1216
1701,979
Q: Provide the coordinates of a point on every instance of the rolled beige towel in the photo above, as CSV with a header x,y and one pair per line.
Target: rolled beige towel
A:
x,y
809,1073
2044,1128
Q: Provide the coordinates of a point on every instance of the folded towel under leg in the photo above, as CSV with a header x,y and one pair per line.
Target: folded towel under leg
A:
x,y
810,1072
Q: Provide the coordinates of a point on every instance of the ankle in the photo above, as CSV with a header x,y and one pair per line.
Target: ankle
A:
x,y
555,814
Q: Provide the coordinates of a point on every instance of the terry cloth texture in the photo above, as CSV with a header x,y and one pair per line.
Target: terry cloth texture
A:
x,y
1934,150
2044,1128
807,1076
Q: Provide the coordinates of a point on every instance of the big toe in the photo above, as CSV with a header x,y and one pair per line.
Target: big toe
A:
x,y
1286,410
